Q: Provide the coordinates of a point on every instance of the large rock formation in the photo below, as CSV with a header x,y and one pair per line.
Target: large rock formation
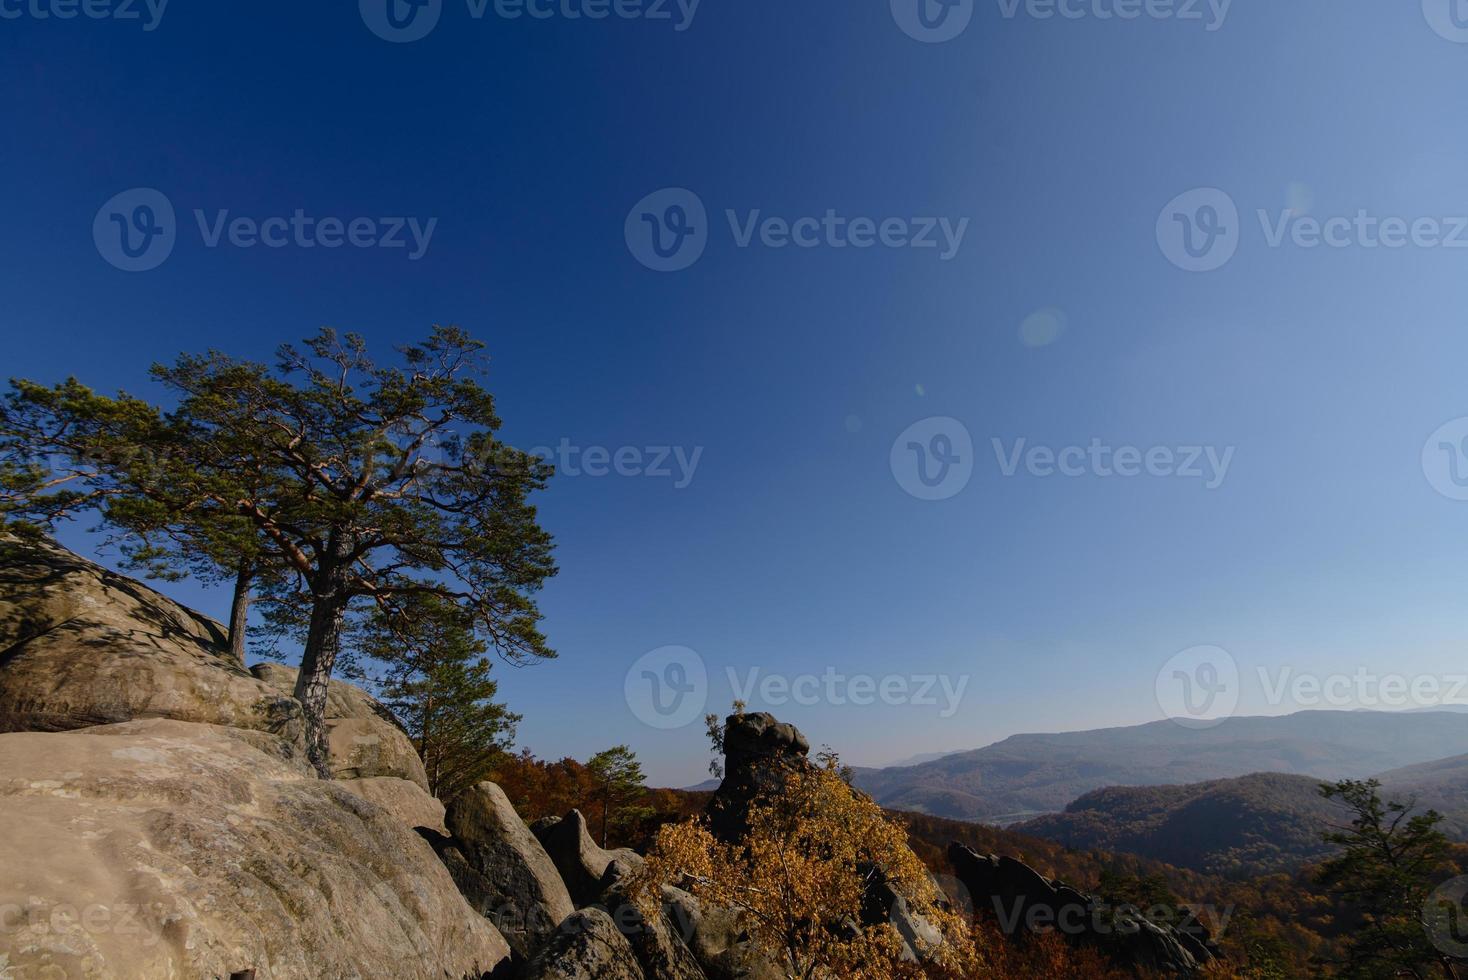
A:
x,y
502,869
1021,899
576,856
80,646
758,752
168,849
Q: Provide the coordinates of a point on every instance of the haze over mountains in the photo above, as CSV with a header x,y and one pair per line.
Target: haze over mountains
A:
x,y
1030,775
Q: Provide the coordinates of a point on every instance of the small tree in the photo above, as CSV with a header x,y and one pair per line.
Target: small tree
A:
x,y
800,879
436,680
1390,859
617,782
361,482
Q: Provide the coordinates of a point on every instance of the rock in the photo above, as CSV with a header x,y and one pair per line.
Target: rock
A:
x,y
758,751
1022,898
587,946
366,740
502,869
82,646
659,945
403,799
579,860
169,849
716,939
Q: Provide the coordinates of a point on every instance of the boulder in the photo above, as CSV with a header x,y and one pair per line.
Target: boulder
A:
x,y
657,943
716,939
587,946
758,752
502,869
579,860
366,740
162,848
1021,898
405,800
80,646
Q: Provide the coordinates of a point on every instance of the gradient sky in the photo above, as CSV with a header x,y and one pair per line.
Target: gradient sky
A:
x,y
794,549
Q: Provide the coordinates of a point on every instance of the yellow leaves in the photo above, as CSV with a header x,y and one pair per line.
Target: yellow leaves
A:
x,y
801,875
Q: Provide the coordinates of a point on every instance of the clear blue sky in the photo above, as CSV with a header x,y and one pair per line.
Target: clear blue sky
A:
x,y
794,549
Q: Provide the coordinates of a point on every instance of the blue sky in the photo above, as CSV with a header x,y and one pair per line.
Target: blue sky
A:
x,y
794,549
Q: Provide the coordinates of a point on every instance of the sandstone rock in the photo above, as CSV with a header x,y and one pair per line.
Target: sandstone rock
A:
x,y
81,646
658,944
167,849
758,751
405,800
579,860
366,740
587,946
502,869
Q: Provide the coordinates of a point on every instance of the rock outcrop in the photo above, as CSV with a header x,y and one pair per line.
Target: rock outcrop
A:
x,y
81,646
587,946
758,751
502,869
366,740
169,849
1021,898
405,800
579,860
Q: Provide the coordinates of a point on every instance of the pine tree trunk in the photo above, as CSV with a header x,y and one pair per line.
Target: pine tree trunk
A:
x,y
323,643
239,612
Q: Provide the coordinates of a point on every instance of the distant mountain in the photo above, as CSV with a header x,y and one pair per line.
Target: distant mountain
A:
x,y
918,760
1029,775
1441,785
1250,825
